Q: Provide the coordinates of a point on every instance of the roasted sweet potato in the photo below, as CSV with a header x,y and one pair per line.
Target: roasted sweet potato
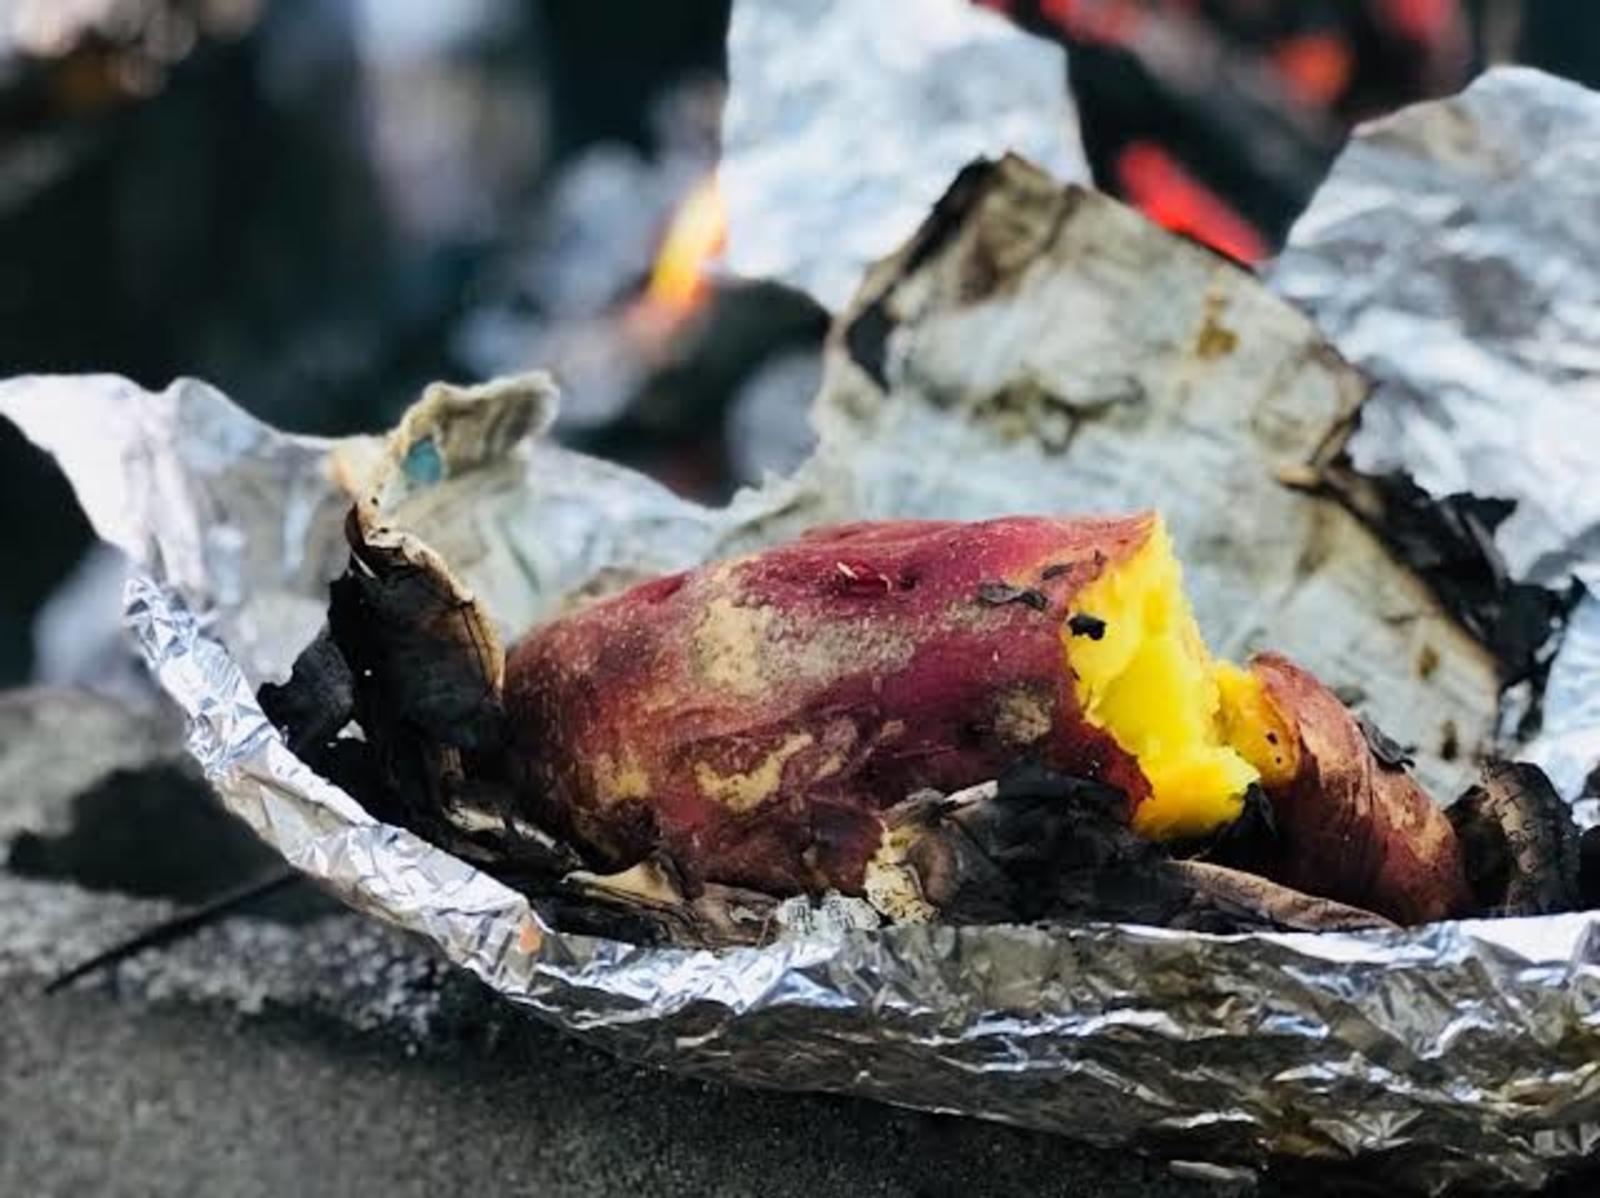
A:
x,y
752,721
1353,824
753,718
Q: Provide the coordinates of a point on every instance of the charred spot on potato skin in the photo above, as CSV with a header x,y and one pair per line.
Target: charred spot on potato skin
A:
x,y
786,847
629,832
1083,624
1049,573
844,836
996,594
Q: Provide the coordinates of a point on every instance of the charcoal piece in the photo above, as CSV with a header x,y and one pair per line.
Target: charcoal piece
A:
x,y
1046,847
1520,842
415,638
318,699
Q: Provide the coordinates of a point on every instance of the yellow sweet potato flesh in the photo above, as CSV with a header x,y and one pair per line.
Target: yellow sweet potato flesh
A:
x,y
1199,729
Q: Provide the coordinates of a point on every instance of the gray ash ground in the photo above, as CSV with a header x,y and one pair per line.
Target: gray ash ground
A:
x,y
299,1048
336,1057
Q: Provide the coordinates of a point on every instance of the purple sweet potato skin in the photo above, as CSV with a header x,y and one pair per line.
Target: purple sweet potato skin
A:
x,y
750,720
1353,828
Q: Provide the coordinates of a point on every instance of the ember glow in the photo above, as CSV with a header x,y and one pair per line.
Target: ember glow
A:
x,y
694,240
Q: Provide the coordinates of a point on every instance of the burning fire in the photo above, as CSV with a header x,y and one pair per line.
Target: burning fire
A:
x,y
694,240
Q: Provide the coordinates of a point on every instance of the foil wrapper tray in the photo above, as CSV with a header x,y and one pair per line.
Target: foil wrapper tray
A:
x,y
1032,347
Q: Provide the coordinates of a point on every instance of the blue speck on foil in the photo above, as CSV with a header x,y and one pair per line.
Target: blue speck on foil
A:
x,y
422,464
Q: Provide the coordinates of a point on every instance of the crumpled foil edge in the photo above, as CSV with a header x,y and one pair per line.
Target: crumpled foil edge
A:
x,y
1111,1034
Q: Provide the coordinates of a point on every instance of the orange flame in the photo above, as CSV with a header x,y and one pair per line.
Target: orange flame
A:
x,y
694,240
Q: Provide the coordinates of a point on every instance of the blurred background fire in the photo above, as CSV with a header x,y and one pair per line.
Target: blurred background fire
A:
x,y
322,205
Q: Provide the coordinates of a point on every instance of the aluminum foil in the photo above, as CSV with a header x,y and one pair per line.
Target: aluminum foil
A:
x,y
1460,1052
1451,255
826,169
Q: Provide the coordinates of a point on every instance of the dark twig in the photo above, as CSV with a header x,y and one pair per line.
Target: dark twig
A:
x,y
179,926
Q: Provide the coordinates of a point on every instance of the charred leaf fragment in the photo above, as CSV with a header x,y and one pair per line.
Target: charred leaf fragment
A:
x,y
1520,843
1450,542
429,708
1038,845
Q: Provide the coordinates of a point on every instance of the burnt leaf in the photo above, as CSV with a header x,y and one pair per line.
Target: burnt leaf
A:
x,y
409,656
1519,841
1450,542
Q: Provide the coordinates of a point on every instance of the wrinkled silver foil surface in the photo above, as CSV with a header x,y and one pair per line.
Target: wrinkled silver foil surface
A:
x,y
1452,254
1455,1053
826,169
